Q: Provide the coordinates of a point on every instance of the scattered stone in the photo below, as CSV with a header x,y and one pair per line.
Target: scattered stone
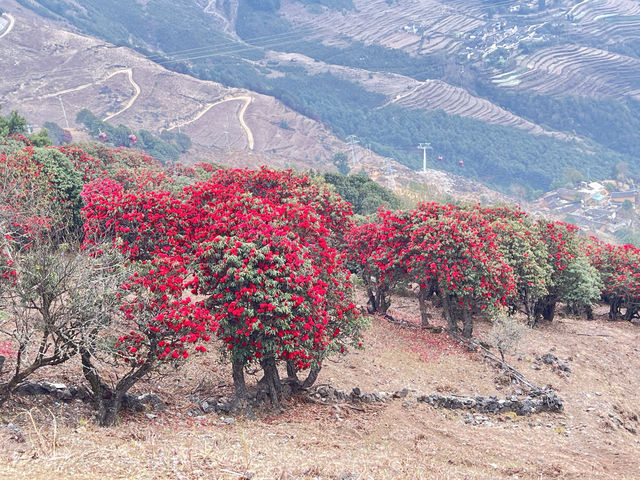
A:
x,y
227,420
401,393
350,476
549,358
16,433
153,401
409,404
31,389
560,367
537,401
151,416
193,412
57,390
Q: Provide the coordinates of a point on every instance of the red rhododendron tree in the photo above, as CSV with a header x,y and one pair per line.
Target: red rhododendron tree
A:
x,y
377,251
456,250
573,279
151,229
273,280
619,269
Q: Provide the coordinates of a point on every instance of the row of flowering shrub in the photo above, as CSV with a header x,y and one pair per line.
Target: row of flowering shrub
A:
x,y
169,260
109,256
470,260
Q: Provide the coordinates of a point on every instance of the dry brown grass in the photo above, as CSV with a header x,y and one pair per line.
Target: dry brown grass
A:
x,y
385,441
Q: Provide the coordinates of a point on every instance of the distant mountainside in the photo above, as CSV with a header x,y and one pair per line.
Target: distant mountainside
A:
x,y
52,74
516,92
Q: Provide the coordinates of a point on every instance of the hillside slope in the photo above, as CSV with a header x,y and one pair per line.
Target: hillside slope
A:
x,y
595,437
53,72
396,74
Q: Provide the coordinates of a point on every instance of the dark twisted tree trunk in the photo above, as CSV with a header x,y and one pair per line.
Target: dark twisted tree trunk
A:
x,y
271,380
529,308
545,308
614,308
238,379
423,296
382,302
107,400
449,313
372,305
467,323
295,381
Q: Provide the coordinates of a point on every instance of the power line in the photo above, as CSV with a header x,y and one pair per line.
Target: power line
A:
x,y
211,50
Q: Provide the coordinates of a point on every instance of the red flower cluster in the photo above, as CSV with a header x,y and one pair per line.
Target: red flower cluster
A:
x,y
258,247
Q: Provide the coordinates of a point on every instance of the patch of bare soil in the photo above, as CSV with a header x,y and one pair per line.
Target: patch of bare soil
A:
x,y
595,437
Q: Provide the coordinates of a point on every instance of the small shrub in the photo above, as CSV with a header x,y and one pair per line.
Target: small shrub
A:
x,y
505,334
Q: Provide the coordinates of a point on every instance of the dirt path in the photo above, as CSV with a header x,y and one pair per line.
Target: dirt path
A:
x,y
12,21
247,100
136,87
129,73
211,10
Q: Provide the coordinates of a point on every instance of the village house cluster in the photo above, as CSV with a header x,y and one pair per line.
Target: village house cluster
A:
x,y
594,206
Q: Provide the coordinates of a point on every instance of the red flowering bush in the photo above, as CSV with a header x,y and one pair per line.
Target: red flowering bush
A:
x,y
455,251
264,261
271,274
574,280
619,269
377,251
151,229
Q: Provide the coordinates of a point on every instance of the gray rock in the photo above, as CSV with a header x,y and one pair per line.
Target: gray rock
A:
x,y
549,358
401,393
350,476
16,433
31,389
367,398
154,401
193,412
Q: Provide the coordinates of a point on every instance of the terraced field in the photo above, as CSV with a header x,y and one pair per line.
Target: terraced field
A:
x,y
577,70
429,95
438,95
612,20
414,26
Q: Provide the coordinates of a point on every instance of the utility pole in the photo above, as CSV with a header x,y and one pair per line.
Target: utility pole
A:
x,y
424,146
353,141
63,111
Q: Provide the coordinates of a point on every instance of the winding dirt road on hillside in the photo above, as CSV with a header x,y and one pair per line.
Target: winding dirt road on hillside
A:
x,y
135,86
12,21
247,100
131,101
